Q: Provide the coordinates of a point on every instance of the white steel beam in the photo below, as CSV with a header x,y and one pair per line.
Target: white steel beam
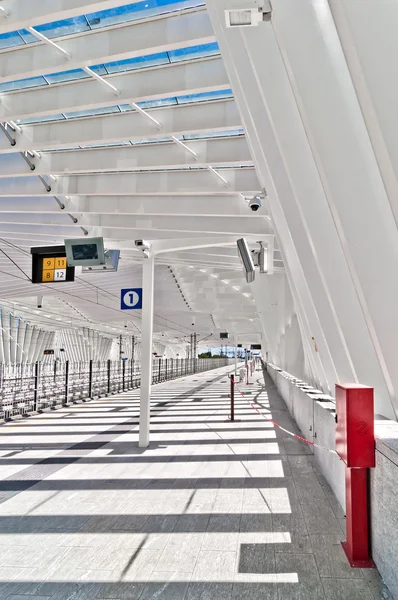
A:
x,y
31,235
120,127
23,13
124,224
232,152
315,181
148,273
210,206
214,225
107,45
60,219
48,42
355,28
102,80
170,183
247,82
192,206
37,232
342,150
155,83
201,260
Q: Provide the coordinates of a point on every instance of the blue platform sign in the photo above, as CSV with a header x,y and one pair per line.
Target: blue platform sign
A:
x,y
131,299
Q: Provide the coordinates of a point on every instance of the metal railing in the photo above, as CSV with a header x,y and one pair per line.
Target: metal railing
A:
x,y
34,387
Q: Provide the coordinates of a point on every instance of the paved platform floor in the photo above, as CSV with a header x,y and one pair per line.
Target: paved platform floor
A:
x,y
213,510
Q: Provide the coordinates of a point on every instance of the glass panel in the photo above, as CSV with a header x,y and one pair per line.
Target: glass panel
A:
x,y
67,76
146,105
11,39
151,141
45,119
214,134
125,107
139,62
138,10
58,28
234,166
60,149
22,84
74,75
199,51
159,102
105,110
217,95
106,145
97,20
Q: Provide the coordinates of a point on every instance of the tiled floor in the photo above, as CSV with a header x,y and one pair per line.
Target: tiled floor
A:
x,y
213,510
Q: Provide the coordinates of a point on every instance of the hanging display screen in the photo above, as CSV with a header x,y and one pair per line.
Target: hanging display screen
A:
x,y
49,265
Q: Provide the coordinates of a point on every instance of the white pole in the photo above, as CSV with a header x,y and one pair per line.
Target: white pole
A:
x,y
236,358
148,270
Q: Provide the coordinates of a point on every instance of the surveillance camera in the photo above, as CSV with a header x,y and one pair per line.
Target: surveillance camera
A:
x,y
39,301
255,203
142,244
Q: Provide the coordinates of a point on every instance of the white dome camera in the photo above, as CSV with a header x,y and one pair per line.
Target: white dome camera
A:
x,y
255,203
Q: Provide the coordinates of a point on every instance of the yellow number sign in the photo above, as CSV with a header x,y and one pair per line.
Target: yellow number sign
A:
x,y
54,269
49,263
48,275
60,263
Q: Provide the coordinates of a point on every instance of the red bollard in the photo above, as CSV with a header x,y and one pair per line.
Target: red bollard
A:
x,y
355,444
232,397
232,416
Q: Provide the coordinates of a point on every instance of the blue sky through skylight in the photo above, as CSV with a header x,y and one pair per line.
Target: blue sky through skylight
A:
x,y
97,20
106,110
121,66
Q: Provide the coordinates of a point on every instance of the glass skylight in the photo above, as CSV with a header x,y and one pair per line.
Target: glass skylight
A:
x,y
97,20
214,134
106,110
121,66
204,96
138,10
228,133
73,75
103,110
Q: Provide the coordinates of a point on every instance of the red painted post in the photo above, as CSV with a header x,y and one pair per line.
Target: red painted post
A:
x,y
232,377
355,444
247,374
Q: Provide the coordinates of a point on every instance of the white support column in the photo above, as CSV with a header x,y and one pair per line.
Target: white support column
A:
x,y
236,356
313,157
148,272
21,341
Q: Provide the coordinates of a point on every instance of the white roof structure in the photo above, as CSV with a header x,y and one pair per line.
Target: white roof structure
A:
x,y
159,119
118,120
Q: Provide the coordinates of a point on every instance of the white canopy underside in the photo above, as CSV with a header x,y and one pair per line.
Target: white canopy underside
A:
x,y
175,167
